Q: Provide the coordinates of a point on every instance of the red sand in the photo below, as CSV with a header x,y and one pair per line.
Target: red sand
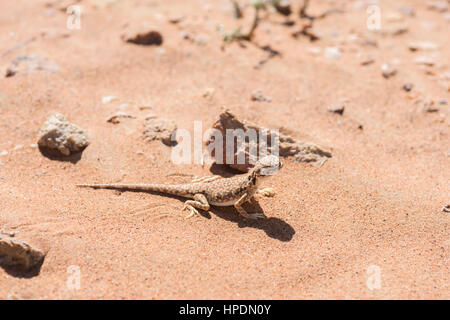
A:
x,y
378,201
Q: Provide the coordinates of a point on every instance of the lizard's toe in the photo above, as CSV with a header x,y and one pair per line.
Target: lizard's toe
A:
x,y
267,192
193,211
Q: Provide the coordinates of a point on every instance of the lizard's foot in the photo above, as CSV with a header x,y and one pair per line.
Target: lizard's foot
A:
x,y
267,192
192,210
255,216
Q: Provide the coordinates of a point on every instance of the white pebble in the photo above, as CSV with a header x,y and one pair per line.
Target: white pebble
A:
x,y
108,99
332,53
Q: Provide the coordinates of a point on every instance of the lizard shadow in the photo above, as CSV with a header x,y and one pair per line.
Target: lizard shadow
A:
x,y
273,227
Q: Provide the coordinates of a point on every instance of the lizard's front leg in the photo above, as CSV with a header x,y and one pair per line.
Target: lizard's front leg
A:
x,y
242,212
199,202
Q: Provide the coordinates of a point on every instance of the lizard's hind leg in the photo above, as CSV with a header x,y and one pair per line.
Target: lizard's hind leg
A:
x,y
238,206
199,202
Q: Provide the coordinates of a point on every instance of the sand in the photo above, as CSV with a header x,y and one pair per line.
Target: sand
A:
x,y
368,224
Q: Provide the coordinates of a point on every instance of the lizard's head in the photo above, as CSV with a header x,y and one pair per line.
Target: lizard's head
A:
x,y
267,166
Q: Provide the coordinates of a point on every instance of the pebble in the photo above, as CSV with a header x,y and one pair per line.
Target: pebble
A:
x,y
337,109
108,99
257,95
62,136
396,31
314,50
332,53
160,129
406,11
208,93
408,87
145,39
16,252
29,64
439,6
3,153
367,61
427,61
115,118
423,45
388,71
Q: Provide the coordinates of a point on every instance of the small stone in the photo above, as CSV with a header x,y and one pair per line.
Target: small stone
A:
x,y
145,39
423,45
209,93
337,109
388,71
201,39
115,118
314,50
18,147
11,234
14,252
396,31
406,11
428,106
257,95
108,99
443,101
366,42
33,145
446,208
283,7
439,6
332,53
426,61
29,64
366,61
61,136
176,19
3,153
160,129
408,87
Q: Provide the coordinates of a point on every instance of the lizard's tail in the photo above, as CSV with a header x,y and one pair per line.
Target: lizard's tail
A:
x,y
160,188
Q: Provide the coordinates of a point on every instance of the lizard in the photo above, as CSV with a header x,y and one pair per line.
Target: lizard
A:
x,y
216,191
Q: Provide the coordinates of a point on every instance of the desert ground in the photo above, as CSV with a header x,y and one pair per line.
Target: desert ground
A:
x,y
369,223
